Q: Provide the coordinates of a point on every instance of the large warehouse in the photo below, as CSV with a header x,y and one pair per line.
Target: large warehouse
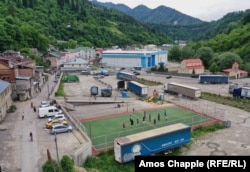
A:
x,y
128,59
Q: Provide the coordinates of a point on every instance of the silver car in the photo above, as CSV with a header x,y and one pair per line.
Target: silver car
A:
x,y
44,104
60,128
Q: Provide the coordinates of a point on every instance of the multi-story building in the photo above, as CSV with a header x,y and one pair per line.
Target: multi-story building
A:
x,y
5,98
14,66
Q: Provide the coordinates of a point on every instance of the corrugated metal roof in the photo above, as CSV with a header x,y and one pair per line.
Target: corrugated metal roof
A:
x,y
3,85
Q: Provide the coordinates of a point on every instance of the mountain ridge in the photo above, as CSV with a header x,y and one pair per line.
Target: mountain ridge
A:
x,y
155,16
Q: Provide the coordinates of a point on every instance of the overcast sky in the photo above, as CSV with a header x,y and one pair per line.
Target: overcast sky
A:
x,y
206,10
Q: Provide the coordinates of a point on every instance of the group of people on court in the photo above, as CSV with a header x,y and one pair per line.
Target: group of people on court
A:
x,y
144,118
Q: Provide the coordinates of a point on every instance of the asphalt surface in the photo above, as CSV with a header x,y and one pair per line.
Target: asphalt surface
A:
x,y
18,153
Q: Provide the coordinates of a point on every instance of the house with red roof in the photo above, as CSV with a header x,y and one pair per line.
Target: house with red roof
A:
x,y
188,66
235,72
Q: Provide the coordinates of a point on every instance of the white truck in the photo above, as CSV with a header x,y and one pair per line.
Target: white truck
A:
x,y
184,90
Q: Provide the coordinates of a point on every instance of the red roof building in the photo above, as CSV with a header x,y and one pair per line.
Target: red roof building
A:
x,y
189,66
235,72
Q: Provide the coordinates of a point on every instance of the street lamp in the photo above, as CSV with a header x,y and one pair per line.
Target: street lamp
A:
x,y
56,148
48,90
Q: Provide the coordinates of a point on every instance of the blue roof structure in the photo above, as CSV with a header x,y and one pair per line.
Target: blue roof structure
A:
x,y
3,85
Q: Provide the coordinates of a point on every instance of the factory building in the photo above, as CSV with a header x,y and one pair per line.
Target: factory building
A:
x,y
129,59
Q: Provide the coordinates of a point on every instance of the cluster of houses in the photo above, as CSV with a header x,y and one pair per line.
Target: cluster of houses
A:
x,y
21,79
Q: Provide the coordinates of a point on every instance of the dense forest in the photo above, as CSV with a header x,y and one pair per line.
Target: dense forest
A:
x,y
220,52
67,23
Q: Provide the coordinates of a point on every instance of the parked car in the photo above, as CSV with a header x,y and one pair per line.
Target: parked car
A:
x,y
44,103
136,73
60,128
99,76
49,124
59,116
168,76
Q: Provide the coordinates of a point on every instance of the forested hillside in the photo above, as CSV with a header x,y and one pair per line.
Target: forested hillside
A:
x,y
220,52
38,23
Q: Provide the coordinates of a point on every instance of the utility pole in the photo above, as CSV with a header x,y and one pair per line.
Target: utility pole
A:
x,y
48,89
56,148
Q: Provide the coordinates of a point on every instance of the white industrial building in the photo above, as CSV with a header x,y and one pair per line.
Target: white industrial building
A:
x,y
128,59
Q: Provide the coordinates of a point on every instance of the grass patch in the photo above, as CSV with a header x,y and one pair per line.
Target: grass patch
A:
x,y
239,103
60,91
105,162
148,82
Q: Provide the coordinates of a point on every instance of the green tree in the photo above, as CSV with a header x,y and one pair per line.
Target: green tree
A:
x,y
186,52
175,53
205,54
51,166
213,67
247,67
67,164
226,60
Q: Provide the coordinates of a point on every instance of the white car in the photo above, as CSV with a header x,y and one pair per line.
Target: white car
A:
x,y
59,117
44,104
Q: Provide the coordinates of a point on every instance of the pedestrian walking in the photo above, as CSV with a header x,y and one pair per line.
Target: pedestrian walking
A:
x,y
22,117
154,122
123,125
34,108
31,136
137,120
159,117
165,112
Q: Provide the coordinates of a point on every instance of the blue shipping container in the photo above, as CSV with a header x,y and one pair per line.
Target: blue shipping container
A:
x,y
213,79
137,88
125,76
151,142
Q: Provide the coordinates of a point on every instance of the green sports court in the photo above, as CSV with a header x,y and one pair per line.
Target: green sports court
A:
x,y
102,131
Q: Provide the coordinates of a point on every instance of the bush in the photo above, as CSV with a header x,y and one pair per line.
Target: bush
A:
x,y
51,166
11,109
67,164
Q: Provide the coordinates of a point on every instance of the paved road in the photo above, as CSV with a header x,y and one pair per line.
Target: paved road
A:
x,y
17,152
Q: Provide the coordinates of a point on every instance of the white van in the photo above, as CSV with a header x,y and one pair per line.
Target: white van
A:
x,y
50,111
